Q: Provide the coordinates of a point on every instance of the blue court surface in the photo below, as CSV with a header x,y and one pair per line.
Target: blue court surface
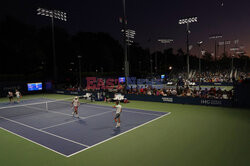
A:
x,y
50,123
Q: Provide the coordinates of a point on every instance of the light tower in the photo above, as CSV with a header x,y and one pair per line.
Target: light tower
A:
x,y
53,14
188,21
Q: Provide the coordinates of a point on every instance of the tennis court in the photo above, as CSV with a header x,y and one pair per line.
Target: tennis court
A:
x,y
50,123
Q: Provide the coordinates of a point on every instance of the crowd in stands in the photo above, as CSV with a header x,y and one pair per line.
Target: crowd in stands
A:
x,y
182,91
212,77
218,77
222,76
185,89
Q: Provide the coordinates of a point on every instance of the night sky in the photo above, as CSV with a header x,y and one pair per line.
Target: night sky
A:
x,y
152,19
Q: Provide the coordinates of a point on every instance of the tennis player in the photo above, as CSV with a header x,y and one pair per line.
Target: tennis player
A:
x,y
75,104
18,95
10,96
118,114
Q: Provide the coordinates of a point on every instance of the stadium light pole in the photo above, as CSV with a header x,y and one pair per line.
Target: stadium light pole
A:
x,y
151,67
224,43
232,62
165,42
236,51
199,45
215,37
80,70
188,21
53,14
124,23
130,35
156,67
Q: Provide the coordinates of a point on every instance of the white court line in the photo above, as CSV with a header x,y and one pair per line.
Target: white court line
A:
x,y
55,112
105,107
86,117
108,106
31,99
87,147
44,102
90,116
100,107
44,132
119,134
33,142
125,110
142,113
59,124
21,105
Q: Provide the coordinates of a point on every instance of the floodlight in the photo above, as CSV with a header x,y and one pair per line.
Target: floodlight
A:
x,y
188,21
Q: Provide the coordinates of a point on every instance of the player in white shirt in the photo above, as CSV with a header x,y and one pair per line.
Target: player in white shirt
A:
x,y
118,114
18,96
75,104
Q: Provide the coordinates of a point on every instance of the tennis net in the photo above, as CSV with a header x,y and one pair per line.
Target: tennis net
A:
x,y
25,109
